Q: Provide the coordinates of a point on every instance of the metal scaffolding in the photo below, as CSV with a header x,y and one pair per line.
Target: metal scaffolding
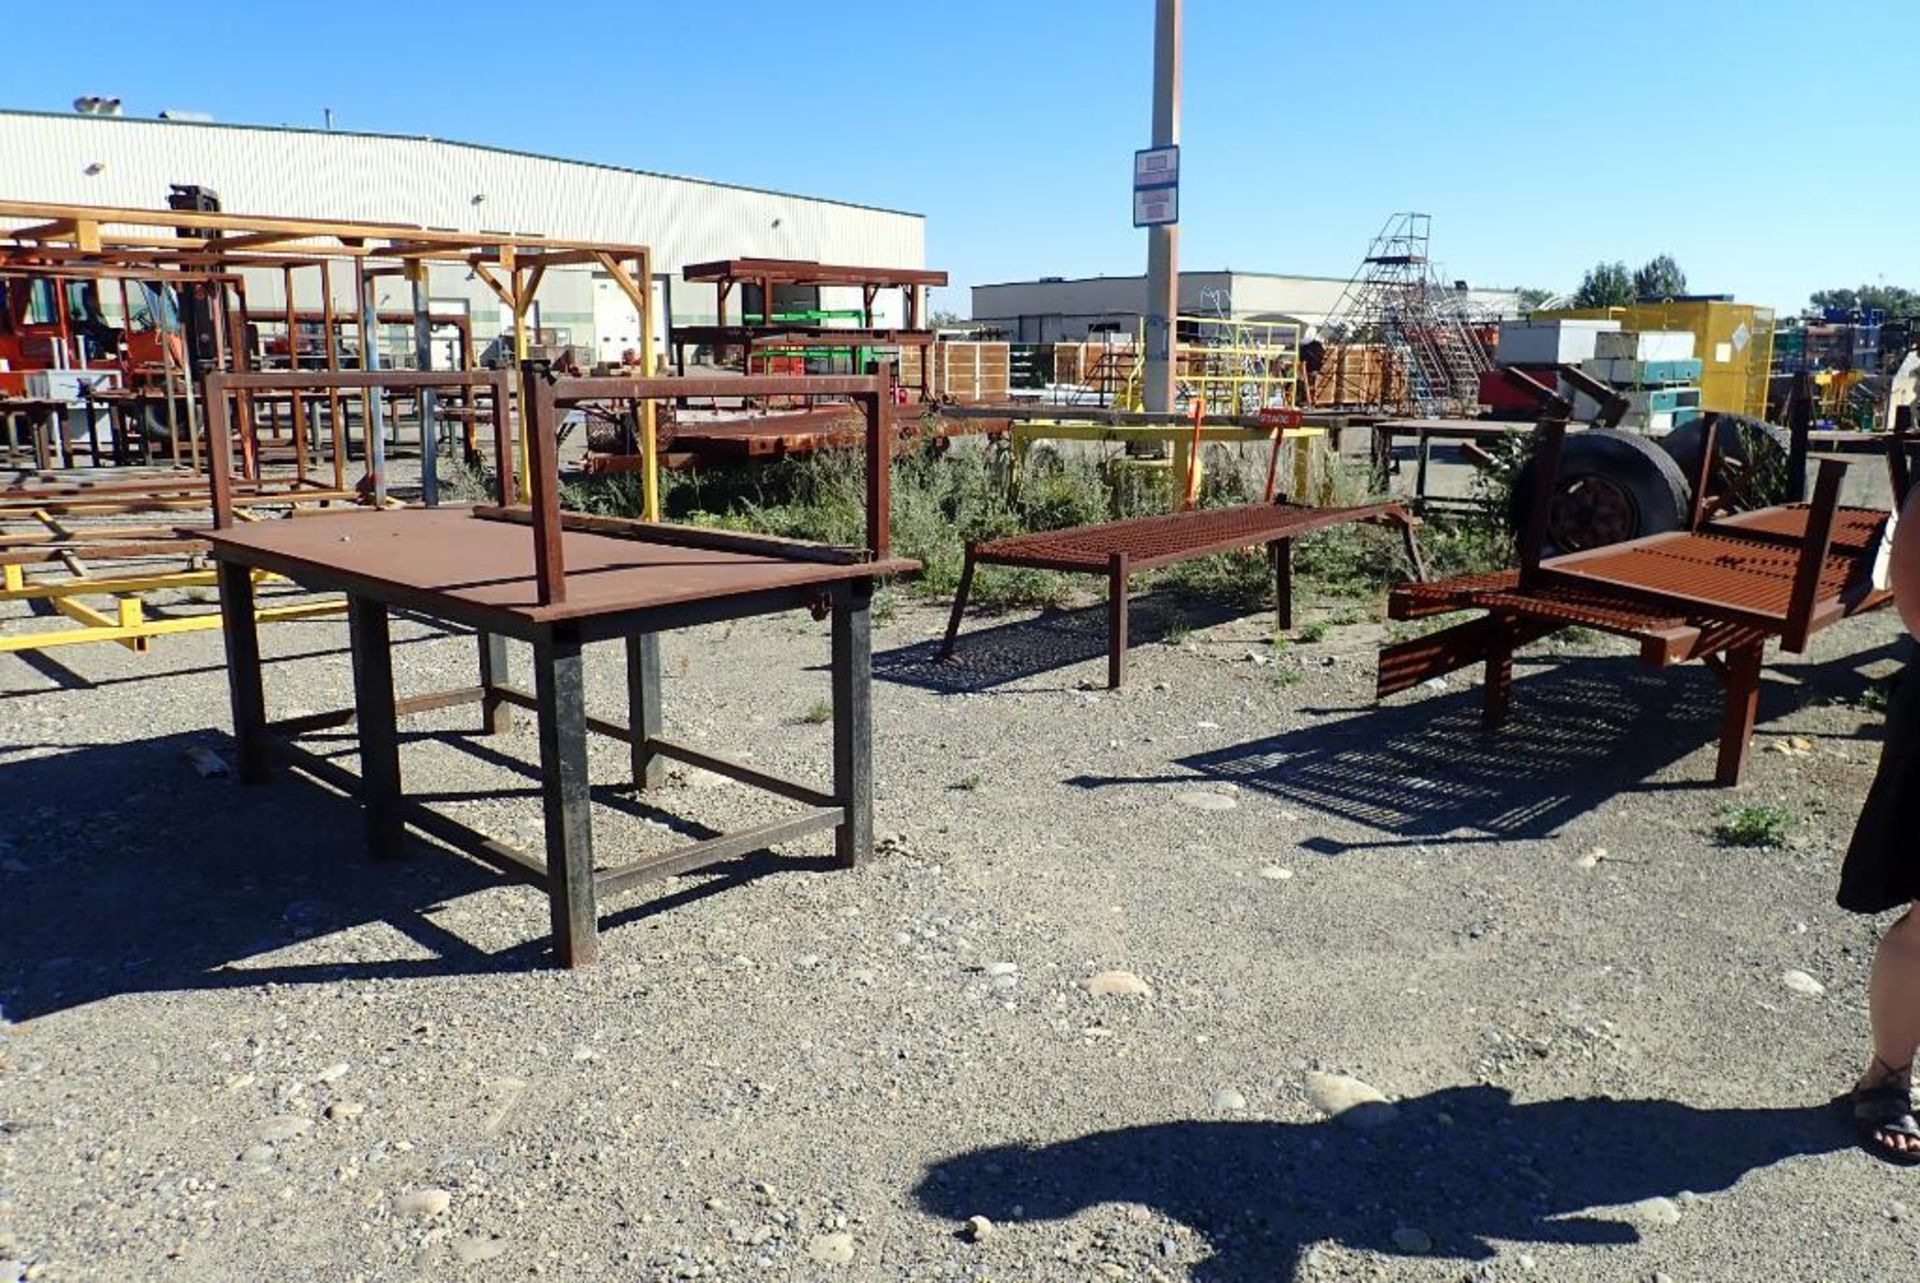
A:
x,y
1432,355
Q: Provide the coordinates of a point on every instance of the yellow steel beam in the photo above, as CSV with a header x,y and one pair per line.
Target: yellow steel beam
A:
x,y
135,635
124,625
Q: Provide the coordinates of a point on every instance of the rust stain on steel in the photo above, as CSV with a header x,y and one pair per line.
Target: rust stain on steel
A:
x,y
1150,541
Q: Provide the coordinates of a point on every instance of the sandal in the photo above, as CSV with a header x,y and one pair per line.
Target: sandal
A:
x,y
1885,1110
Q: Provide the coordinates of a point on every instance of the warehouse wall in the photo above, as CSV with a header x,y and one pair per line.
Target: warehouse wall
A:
x,y
1052,311
332,174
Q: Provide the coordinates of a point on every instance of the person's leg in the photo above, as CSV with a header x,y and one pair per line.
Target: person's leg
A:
x,y
1893,1005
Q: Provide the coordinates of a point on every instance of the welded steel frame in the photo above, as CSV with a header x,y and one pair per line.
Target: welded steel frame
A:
x,y
1113,549
770,273
183,246
1545,595
567,873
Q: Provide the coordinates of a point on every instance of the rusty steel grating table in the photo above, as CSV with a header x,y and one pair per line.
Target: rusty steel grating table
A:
x,y
466,568
1120,549
1717,594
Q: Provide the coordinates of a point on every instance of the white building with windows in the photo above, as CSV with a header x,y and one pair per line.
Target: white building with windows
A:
x,y
128,161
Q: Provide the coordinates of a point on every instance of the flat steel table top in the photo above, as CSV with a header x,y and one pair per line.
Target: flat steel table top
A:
x,y
1174,536
421,557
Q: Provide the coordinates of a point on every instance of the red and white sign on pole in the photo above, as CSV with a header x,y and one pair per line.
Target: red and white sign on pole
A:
x,y
1156,186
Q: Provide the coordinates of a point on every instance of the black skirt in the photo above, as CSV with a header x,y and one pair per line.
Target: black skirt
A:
x,y
1882,870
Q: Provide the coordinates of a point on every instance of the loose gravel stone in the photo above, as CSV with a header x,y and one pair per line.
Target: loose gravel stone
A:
x,y
832,1249
1801,982
1118,984
1657,1211
1205,800
276,1130
1408,1238
1229,1100
977,1228
1355,1103
423,1202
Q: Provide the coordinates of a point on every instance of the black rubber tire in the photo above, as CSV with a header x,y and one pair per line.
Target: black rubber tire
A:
x,y
1611,486
1762,450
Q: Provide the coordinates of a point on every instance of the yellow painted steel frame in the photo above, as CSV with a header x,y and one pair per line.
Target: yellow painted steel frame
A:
x,y
128,626
1187,469
1233,367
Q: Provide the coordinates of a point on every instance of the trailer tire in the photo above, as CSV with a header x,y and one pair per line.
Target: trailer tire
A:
x,y
1761,450
1611,486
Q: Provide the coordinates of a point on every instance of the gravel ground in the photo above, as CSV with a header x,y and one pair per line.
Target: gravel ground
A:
x,y
1120,959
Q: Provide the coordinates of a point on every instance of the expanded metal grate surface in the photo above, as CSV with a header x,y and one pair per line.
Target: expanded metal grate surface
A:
x,y
1416,601
1149,540
1854,529
1707,570
1615,612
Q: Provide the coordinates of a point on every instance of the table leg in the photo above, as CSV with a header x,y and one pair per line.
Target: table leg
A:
x,y
1741,674
853,721
378,725
1281,553
643,709
496,715
959,604
1498,697
244,687
1116,620
1424,447
560,688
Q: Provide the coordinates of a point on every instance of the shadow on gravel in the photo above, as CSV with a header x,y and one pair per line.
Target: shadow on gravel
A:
x,y
1463,1166
1582,732
984,658
123,871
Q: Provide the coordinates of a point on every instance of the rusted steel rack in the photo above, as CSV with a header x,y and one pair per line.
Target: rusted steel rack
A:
x,y
210,255
1121,549
769,331
1716,592
560,581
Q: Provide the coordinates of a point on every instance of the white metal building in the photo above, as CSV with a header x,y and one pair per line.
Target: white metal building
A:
x,y
334,174
1055,309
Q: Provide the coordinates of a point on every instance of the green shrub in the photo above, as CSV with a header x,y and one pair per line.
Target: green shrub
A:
x,y
1754,824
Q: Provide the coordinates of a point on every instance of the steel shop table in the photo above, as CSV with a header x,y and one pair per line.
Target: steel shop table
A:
x,y
1121,549
558,582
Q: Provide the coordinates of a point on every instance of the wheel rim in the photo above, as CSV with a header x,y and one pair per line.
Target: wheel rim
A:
x,y
1592,510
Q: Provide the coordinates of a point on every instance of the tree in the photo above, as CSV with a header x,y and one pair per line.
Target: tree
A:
x,y
1661,278
1605,285
945,320
1896,302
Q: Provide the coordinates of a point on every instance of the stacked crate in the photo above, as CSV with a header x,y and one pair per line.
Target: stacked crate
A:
x,y
1538,348
1656,371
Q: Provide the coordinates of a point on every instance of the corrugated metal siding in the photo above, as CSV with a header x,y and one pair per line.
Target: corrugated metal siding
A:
x,y
314,174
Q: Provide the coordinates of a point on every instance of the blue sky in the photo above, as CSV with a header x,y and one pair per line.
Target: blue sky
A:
x,y
1760,143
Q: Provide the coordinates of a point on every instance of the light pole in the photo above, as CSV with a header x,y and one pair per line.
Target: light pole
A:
x,y
1163,240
